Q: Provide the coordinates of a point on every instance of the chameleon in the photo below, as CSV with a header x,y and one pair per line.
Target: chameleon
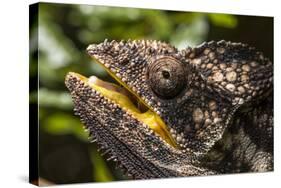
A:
x,y
202,110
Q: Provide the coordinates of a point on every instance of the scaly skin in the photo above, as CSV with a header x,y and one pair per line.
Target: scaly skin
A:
x,y
215,99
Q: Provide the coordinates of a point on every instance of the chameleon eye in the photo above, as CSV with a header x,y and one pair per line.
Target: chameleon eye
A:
x,y
166,77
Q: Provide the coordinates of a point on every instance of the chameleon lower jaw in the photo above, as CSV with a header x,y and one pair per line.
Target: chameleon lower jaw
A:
x,y
122,97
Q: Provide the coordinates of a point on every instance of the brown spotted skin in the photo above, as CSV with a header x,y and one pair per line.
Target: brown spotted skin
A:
x,y
216,100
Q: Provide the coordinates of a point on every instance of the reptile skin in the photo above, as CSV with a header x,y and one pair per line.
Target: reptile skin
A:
x,y
216,102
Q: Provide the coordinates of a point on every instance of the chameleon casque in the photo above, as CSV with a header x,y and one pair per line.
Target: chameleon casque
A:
x,y
197,111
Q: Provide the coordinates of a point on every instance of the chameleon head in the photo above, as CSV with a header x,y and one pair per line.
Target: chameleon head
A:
x,y
167,111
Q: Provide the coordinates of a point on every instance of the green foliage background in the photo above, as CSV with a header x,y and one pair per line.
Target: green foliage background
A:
x,y
66,155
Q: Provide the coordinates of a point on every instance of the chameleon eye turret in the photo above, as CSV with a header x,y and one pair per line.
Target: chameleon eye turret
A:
x,y
166,77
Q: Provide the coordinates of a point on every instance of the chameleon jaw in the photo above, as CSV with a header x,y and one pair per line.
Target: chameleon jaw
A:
x,y
123,98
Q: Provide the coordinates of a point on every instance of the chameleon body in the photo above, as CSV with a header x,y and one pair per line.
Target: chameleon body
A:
x,y
197,111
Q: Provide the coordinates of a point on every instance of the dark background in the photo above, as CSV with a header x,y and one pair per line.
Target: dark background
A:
x,y
64,32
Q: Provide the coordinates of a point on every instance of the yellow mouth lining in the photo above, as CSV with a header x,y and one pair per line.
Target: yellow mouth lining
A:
x,y
149,118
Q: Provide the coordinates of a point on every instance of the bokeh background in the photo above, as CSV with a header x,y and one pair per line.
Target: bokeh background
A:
x,y
64,32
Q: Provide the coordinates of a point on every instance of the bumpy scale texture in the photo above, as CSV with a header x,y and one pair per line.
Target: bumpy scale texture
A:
x,y
215,99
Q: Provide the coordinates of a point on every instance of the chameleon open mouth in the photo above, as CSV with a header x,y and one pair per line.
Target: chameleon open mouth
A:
x,y
129,102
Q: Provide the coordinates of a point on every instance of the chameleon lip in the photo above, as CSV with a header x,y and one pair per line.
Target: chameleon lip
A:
x,y
128,102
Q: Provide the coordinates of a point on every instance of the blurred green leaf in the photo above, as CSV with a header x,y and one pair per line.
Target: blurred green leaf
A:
x,y
101,171
61,124
223,20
